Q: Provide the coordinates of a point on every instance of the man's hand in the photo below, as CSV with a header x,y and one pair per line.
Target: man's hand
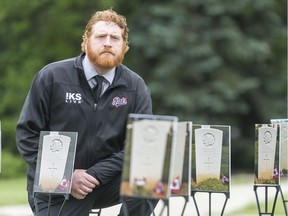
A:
x,y
82,184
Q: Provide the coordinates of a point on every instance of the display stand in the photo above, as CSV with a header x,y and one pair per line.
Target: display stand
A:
x,y
166,205
66,197
266,211
54,168
125,211
284,201
146,171
211,163
227,196
180,187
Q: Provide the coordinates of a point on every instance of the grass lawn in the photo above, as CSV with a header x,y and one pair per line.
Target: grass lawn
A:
x,y
252,209
242,178
13,191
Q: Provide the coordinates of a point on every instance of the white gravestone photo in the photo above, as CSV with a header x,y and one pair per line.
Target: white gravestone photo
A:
x,y
53,160
147,156
180,182
266,151
284,158
283,146
208,149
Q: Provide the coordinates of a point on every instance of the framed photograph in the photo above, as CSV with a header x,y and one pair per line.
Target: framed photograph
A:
x,y
181,173
283,149
55,162
150,142
211,162
266,154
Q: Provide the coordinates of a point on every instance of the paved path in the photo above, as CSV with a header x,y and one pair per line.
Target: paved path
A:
x,y
240,196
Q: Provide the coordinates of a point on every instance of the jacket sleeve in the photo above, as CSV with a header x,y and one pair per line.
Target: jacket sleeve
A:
x,y
110,167
32,120
105,170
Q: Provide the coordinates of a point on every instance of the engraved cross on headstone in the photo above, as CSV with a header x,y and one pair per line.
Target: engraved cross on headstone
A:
x,y
208,163
52,169
266,159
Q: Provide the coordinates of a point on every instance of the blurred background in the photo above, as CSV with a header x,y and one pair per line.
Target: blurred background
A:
x,y
209,61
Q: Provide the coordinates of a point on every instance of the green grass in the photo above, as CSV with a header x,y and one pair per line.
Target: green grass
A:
x,y
13,191
253,209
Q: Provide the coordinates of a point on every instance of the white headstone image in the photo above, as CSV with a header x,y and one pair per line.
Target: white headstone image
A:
x,y
283,145
54,170
208,147
267,136
180,182
284,158
148,156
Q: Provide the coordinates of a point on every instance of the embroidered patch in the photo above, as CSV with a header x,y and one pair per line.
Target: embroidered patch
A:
x,y
117,101
72,97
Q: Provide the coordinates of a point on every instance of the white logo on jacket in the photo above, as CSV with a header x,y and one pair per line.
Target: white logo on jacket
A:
x,y
117,101
72,97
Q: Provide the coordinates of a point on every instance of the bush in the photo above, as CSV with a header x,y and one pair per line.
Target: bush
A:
x,y
13,166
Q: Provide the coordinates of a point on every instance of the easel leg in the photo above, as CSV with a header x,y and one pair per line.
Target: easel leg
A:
x,y
222,212
184,207
209,203
266,199
166,204
195,203
257,199
151,208
49,204
284,202
275,199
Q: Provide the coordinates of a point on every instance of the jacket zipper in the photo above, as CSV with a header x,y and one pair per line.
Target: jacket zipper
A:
x,y
95,103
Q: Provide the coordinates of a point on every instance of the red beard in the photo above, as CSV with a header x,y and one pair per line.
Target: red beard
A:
x,y
106,58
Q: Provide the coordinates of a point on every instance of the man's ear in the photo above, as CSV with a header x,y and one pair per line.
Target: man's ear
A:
x,y
84,44
126,47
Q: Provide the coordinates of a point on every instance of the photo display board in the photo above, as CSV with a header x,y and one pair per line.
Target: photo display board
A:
x,y
55,162
266,154
181,173
283,149
150,143
211,162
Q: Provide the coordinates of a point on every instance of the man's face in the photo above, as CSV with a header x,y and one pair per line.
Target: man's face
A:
x,y
105,48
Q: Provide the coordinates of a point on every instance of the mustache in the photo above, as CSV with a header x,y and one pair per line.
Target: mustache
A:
x,y
107,50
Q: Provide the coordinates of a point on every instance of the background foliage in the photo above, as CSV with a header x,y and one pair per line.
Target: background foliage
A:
x,y
209,61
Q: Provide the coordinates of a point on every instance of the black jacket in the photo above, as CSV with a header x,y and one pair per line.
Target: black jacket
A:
x,y
60,99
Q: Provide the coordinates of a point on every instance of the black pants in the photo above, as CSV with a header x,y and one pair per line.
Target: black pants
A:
x,y
104,196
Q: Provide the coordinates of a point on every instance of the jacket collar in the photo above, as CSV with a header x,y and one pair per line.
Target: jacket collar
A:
x,y
120,78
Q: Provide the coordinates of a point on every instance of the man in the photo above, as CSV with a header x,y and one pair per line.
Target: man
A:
x,y
61,98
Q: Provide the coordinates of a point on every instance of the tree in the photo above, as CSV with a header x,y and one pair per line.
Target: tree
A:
x,y
33,34
209,61
215,62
